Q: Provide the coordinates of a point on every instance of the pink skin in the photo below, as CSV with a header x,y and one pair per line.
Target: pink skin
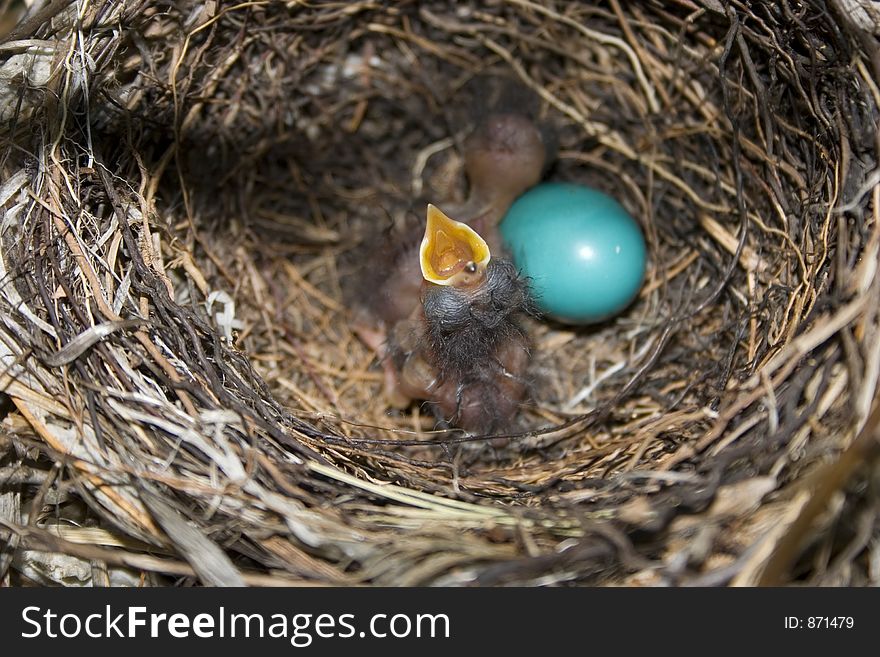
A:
x,y
376,340
503,159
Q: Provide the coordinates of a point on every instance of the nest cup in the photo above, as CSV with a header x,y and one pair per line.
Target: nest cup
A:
x,y
184,191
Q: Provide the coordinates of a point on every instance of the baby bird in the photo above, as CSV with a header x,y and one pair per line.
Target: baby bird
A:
x,y
445,318
503,158
464,349
506,155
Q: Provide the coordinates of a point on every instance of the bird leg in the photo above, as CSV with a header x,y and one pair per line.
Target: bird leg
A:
x,y
376,339
451,335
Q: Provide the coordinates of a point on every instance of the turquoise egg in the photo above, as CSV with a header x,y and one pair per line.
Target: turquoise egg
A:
x,y
585,255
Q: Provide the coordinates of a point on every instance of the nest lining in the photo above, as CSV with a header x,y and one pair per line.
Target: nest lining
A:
x,y
182,198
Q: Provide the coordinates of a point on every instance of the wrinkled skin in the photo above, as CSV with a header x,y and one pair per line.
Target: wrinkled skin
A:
x,y
465,350
462,349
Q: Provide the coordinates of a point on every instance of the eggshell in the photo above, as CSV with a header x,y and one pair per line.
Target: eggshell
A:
x,y
585,255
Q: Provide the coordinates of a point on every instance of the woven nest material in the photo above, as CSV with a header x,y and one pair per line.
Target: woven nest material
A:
x,y
183,185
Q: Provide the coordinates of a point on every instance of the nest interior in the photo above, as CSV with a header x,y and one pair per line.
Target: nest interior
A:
x,y
185,189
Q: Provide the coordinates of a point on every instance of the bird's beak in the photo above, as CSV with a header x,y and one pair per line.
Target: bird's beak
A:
x,y
451,252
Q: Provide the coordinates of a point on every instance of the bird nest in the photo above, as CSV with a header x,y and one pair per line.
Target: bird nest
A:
x,y
185,185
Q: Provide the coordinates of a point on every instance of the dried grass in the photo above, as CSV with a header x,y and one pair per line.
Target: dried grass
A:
x,y
184,185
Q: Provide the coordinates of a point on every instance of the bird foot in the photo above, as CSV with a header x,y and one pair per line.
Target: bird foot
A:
x,y
376,339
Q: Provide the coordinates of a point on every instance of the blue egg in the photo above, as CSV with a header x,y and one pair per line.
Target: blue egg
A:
x,y
585,255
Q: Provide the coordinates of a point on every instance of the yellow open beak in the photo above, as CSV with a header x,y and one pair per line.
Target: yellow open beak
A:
x,y
449,248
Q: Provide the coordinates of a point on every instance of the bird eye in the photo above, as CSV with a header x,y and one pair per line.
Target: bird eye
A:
x,y
471,267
